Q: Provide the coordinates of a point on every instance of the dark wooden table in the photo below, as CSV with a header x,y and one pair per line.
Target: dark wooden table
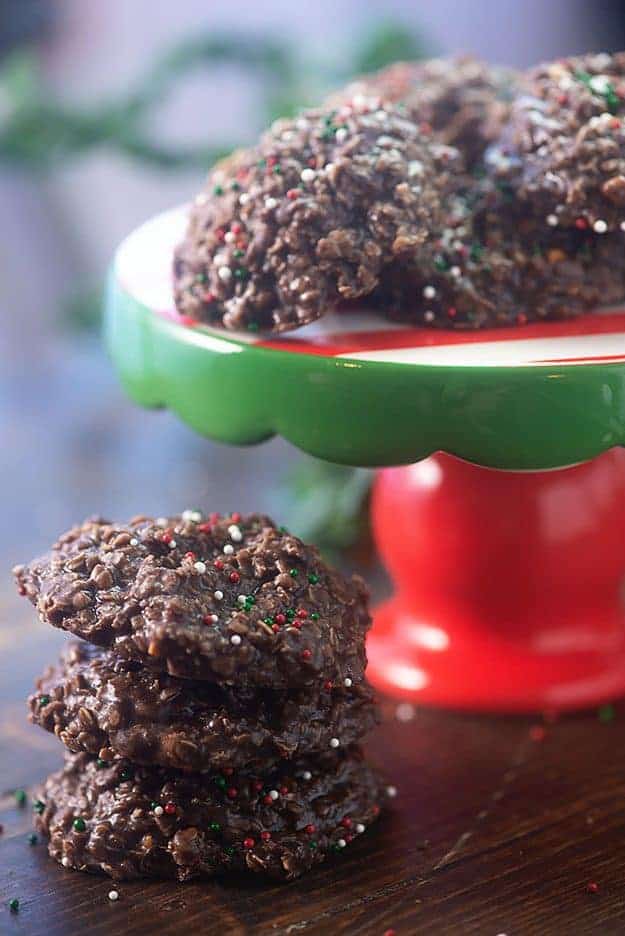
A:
x,y
493,831
496,829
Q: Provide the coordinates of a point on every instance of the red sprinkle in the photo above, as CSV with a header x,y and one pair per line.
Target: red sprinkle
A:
x,y
220,234
328,685
306,654
292,193
310,829
346,822
213,517
451,312
581,224
167,536
267,800
302,613
592,887
257,785
283,790
389,932
232,792
265,836
228,771
208,619
204,527
521,318
538,733
275,628
170,809
218,564
280,619
248,843
235,577
190,555
236,517
208,297
271,161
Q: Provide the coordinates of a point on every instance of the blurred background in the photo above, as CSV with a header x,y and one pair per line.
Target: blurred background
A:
x,y
111,111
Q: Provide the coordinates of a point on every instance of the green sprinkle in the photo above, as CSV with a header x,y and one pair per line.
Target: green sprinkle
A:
x,y
20,797
277,170
313,579
262,163
238,253
241,274
214,827
79,824
32,839
201,278
229,850
100,763
218,190
315,615
606,713
293,573
221,782
440,263
235,186
154,804
313,844
269,620
39,806
290,614
14,905
283,529
44,700
476,252
126,774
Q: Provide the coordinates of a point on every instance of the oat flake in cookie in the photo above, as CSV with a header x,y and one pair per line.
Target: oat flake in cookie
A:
x,y
310,217
115,708
133,822
230,599
563,150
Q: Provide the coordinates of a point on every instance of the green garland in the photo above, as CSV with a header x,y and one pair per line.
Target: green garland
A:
x,y
39,131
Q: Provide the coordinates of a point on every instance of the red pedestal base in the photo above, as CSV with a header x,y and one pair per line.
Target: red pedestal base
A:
x,y
510,586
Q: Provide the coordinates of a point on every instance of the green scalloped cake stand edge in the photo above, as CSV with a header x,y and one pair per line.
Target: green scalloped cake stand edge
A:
x,y
365,413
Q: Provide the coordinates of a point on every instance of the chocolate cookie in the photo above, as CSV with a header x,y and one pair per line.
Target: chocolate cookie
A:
x,y
113,708
497,267
234,600
563,149
311,216
462,101
132,822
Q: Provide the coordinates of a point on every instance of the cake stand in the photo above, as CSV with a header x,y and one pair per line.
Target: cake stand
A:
x,y
509,583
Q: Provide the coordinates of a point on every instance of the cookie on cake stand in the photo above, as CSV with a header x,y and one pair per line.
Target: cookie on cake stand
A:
x,y
508,582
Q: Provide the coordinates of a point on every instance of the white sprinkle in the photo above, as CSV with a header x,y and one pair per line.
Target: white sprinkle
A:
x,y
230,238
287,136
600,226
65,862
380,115
134,541
172,544
622,225
302,123
308,175
359,101
213,618
600,84
328,167
341,843
162,522
307,775
200,567
429,316
391,791
158,810
429,292
224,273
456,272
218,595
113,895
228,549
191,516
271,203
404,712
341,135
552,220
234,532
242,599
347,682
274,794
334,742
244,198
235,640
359,828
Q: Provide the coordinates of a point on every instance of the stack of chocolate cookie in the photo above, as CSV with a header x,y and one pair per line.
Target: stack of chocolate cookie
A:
x,y
211,717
